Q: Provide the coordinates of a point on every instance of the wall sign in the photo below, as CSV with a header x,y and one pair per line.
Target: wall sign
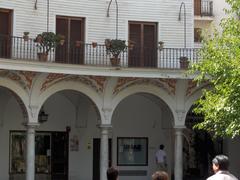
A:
x,y
132,151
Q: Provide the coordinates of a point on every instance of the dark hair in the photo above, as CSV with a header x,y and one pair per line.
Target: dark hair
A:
x,y
161,146
112,173
221,161
160,175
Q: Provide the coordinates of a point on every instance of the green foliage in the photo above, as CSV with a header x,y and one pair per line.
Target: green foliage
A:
x,y
115,46
220,66
47,41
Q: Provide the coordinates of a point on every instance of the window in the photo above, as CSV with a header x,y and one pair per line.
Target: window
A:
x,y
197,35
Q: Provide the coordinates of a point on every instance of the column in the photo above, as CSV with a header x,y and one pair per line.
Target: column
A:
x,y
104,151
30,158
178,165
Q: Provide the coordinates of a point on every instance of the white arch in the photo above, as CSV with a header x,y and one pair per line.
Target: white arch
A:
x,y
18,90
150,89
70,85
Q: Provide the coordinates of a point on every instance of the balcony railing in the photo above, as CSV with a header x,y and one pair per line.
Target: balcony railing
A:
x,y
203,8
86,54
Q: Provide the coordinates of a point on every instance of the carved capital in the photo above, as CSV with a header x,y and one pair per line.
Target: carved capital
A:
x,y
33,111
107,113
180,115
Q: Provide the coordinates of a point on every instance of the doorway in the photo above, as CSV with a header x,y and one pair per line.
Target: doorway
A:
x,y
72,51
96,157
5,32
144,37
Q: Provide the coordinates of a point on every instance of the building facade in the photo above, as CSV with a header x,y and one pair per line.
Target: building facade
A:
x,y
72,115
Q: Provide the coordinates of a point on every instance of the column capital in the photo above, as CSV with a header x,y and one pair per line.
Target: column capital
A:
x,y
33,111
107,113
180,114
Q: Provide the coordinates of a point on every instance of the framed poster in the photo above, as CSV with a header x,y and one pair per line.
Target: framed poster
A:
x,y
132,151
17,151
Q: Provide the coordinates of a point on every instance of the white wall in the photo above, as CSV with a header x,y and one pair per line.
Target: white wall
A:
x,y
98,26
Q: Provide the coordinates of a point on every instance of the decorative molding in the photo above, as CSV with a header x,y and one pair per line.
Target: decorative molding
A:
x,y
52,79
168,84
28,76
23,78
191,86
95,82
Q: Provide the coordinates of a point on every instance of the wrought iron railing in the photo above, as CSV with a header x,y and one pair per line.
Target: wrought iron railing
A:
x,y
12,47
203,8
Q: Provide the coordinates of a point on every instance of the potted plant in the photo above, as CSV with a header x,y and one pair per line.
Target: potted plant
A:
x,y
114,47
94,44
78,43
46,42
25,36
184,62
161,45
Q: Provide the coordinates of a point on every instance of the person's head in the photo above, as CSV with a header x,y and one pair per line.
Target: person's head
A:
x,y
160,175
161,146
220,162
112,173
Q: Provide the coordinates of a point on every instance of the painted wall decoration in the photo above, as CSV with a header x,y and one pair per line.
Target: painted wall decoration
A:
x,y
168,84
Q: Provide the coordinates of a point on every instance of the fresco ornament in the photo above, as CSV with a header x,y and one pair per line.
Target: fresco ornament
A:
x,y
167,84
95,82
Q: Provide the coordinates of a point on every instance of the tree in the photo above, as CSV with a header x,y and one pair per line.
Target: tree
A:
x,y
220,66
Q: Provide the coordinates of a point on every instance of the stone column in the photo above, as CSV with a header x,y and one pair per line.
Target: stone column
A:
x,y
104,151
30,158
178,165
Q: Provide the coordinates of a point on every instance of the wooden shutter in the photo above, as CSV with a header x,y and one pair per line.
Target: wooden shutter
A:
x,y
5,32
73,30
62,50
135,37
144,52
197,7
76,34
149,45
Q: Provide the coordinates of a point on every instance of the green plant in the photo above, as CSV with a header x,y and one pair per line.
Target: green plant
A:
x,y
25,33
47,41
115,47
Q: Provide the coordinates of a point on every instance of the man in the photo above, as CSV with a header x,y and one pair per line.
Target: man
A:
x,y
112,173
220,166
160,175
161,159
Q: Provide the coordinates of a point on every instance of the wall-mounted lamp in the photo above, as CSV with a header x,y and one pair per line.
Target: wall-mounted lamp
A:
x,y
179,19
42,117
35,5
116,15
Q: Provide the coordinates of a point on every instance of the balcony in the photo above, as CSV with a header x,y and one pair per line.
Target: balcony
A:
x,y
16,48
203,8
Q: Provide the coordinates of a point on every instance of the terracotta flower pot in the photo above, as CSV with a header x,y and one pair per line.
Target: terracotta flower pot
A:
x,y
115,61
184,62
42,56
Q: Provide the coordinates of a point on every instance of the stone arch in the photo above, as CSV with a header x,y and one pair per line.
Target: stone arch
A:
x,y
20,95
78,87
153,90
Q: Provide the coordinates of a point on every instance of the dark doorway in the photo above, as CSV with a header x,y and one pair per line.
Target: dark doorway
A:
x,y
72,51
199,149
96,157
59,156
144,37
5,32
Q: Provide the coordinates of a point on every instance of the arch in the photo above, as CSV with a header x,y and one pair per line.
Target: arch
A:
x,y
78,87
19,93
153,90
